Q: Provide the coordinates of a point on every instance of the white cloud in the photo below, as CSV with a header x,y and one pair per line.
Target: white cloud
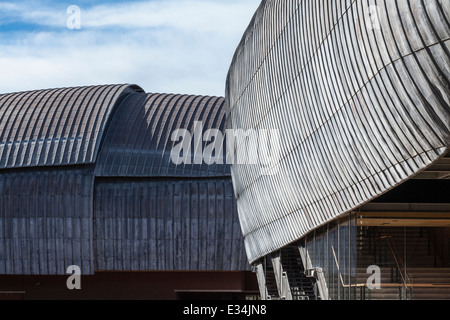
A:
x,y
179,46
201,16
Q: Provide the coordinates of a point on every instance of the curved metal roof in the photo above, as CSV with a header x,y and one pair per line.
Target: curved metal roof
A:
x,y
139,139
56,126
361,104
62,215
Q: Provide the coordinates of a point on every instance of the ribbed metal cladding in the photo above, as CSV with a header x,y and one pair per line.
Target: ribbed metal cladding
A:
x,y
152,224
57,126
46,221
48,138
359,91
151,214
139,141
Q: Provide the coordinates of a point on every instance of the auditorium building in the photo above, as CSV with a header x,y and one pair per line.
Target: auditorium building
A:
x,y
86,180
349,201
358,203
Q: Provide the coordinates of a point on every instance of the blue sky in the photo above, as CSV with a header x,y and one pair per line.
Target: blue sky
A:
x,y
166,46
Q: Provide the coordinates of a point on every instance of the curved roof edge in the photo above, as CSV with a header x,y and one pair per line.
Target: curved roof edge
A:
x,y
140,140
57,127
254,243
359,109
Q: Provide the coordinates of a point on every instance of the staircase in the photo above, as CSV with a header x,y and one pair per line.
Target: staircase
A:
x,y
302,286
385,293
428,282
434,276
271,282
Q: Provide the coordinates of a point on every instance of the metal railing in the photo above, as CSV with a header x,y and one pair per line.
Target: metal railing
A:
x,y
361,286
392,257
397,258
